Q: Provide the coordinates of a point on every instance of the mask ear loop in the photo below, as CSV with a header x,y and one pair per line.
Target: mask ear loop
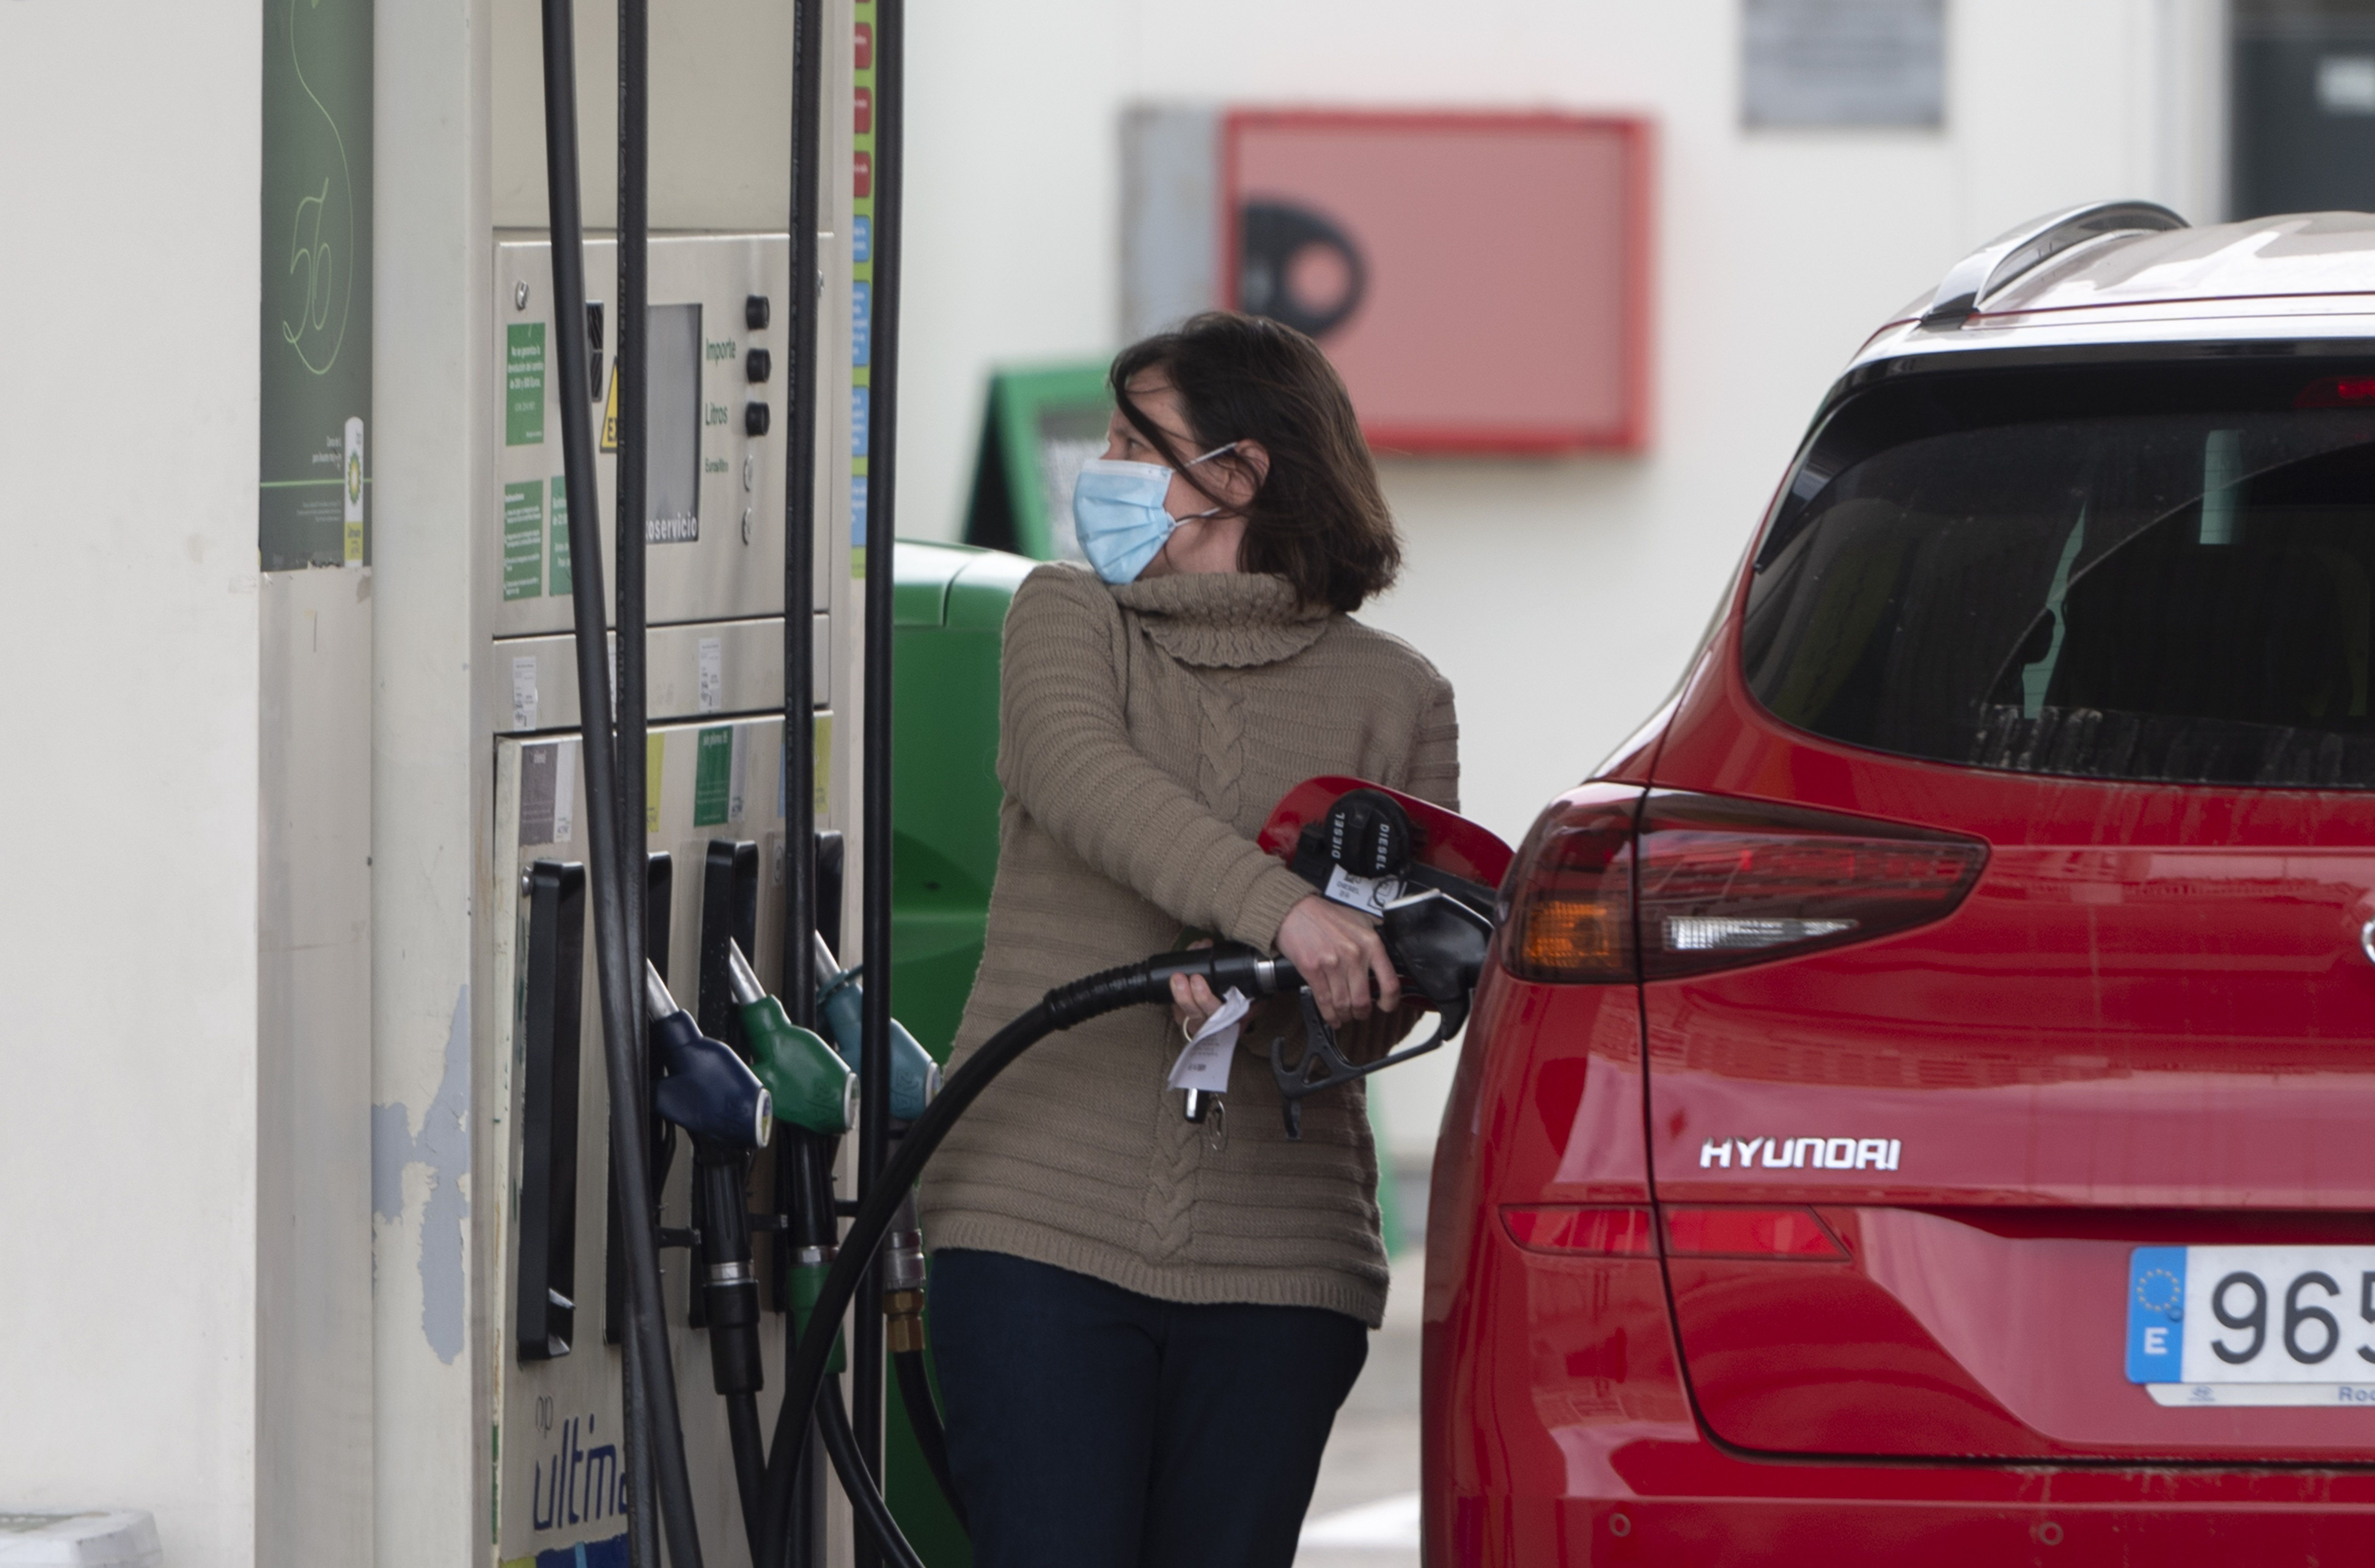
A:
x,y
1215,509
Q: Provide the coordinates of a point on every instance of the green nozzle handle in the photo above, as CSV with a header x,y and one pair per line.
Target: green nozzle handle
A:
x,y
814,1088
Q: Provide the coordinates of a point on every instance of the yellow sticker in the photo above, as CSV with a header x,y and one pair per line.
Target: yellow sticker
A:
x,y
611,412
824,761
655,756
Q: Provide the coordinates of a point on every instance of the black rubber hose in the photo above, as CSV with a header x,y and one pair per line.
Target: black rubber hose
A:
x,y
750,1441
882,529
620,992
808,1158
627,363
924,1419
875,1523
1149,981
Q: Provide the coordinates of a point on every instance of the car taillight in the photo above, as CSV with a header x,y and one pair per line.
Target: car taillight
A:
x,y
1567,906
1611,886
1725,882
1749,1233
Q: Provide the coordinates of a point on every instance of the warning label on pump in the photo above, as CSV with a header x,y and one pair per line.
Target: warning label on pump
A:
x,y
524,384
524,540
611,412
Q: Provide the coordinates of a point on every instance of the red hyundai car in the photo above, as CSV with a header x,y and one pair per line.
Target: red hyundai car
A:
x,y
1924,1106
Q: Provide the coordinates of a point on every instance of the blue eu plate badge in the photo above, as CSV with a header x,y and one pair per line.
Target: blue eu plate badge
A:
x,y
2157,1314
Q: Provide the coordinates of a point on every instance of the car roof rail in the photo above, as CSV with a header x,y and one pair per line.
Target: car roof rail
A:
x,y
1995,264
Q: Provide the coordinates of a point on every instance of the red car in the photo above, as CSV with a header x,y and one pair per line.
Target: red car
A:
x,y
1923,1107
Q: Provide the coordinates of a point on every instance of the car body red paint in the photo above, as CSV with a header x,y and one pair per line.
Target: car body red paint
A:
x,y
2150,1021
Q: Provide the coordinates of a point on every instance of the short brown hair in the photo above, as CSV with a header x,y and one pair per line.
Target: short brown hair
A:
x,y
1319,519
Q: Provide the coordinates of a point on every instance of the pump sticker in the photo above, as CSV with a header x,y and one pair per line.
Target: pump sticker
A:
x,y
712,776
524,691
352,510
557,579
710,676
524,384
547,793
522,540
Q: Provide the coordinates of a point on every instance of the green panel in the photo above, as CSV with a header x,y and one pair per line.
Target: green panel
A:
x,y
712,776
1039,426
950,608
314,365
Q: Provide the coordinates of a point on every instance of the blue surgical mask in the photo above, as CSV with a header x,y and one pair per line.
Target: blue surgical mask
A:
x,y
1118,514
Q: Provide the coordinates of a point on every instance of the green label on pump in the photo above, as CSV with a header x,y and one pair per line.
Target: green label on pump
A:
x,y
524,384
522,540
558,581
712,775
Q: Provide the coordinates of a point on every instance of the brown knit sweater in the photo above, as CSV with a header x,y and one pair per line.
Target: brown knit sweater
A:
x,y
1146,732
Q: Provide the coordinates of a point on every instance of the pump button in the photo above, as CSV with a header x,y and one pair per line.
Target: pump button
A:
x,y
754,418
754,312
758,364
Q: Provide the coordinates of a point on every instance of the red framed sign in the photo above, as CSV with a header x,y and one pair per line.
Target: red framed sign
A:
x,y
1481,280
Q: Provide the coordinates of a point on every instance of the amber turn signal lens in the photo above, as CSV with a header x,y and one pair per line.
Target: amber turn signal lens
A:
x,y
1569,909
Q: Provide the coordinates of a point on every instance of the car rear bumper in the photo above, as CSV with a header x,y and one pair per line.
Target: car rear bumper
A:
x,y
1558,1430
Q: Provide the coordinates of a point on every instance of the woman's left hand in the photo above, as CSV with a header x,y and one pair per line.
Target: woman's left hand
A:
x,y
1192,1001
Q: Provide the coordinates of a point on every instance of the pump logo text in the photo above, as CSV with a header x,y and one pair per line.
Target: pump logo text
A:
x,y
1799,1153
578,1484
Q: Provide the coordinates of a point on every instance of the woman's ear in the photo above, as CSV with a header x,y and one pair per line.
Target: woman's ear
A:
x,y
1246,468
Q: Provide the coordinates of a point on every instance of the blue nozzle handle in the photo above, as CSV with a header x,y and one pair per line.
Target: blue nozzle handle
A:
x,y
709,1091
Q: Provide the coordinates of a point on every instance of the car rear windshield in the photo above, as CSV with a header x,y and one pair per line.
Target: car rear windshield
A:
x,y
2153,571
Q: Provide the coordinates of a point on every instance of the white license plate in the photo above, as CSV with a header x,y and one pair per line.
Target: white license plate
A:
x,y
2252,1325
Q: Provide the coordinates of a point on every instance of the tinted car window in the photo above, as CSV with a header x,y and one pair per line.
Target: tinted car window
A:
x,y
2158,572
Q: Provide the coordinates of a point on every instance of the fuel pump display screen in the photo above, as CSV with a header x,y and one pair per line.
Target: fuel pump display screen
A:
x,y
672,426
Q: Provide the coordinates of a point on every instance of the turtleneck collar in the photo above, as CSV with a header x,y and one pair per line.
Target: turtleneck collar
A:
x,y
1225,619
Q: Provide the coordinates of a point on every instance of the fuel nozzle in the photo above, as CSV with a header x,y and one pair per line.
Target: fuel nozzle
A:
x,y
840,1007
814,1088
708,1091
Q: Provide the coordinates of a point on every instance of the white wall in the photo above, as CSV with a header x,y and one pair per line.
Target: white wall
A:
x,y
128,632
1561,596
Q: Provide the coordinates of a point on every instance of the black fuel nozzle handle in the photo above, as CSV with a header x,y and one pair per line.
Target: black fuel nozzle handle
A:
x,y
1438,946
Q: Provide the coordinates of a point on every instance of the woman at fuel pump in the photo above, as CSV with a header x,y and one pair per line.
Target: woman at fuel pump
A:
x,y
1144,1326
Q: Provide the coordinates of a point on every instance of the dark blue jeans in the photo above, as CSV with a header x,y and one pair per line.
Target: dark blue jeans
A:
x,y
1091,1427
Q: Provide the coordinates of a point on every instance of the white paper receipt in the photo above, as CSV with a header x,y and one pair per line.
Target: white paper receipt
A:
x,y
1204,1064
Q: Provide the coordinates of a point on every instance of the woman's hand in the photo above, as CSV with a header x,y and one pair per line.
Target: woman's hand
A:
x,y
1191,997
1337,952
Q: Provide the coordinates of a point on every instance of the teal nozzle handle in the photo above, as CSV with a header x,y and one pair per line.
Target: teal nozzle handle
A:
x,y
814,1088
840,1007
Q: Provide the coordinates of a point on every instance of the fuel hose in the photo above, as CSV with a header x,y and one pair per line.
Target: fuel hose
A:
x,y
654,1427
1108,991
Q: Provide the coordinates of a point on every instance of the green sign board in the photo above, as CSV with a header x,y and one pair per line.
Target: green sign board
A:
x,y
315,367
524,540
1042,425
524,384
712,776
558,578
